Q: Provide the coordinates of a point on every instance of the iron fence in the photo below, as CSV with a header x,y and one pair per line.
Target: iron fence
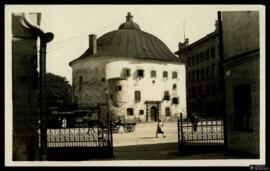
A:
x,y
89,135
203,132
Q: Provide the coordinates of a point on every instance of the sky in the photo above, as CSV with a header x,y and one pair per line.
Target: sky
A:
x,y
71,25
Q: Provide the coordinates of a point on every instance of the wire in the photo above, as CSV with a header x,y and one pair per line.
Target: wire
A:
x,y
60,44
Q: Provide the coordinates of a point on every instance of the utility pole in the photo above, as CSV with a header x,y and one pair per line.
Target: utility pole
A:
x,y
44,39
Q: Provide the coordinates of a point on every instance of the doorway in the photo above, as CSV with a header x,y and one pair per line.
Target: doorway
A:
x,y
153,112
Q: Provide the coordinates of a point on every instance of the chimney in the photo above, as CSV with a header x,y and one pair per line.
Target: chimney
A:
x,y
186,42
92,44
129,17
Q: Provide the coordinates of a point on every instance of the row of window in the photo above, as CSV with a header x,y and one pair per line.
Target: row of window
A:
x,y
208,89
202,73
119,87
166,97
130,112
140,73
201,56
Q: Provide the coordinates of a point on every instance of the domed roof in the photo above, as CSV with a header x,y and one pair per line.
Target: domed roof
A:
x,y
130,41
129,24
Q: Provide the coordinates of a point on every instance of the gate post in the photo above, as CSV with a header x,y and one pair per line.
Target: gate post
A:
x,y
180,134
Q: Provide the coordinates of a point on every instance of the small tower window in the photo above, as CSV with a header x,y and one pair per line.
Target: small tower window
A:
x,y
175,100
174,74
153,74
168,111
141,112
174,87
137,96
127,72
166,95
80,83
119,88
165,74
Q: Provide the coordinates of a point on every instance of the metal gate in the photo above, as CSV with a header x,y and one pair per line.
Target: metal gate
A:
x,y
84,141
205,135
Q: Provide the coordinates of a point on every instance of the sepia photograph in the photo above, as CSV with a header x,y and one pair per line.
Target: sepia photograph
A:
x,y
135,85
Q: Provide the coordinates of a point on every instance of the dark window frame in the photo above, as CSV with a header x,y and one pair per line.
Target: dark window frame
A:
x,y
130,112
167,112
174,75
140,73
137,95
165,74
153,74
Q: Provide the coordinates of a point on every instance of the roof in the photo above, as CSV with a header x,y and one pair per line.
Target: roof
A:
x,y
198,42
130,41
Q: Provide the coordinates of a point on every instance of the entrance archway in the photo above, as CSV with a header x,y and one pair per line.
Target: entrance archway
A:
x,y
153,112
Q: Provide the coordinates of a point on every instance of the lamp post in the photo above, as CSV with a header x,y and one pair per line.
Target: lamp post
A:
x,y
44,39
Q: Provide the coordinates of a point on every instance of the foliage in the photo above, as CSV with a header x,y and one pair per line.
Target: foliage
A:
x,y
58,91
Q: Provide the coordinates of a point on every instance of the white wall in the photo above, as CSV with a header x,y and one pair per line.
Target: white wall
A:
x,y
111,69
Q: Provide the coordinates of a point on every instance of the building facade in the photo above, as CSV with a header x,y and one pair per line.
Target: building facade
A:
x,y
241,54
133,73
24,86
204,94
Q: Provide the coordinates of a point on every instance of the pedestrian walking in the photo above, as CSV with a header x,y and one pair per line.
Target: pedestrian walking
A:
x,y
160,129
194,120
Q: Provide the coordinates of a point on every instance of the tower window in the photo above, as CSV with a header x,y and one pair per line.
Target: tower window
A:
x,y
165,74
175,100
174,87
168,111
130,112
174,74
153,74
166,95
207,55
141,112
140,73
118,88
127,72
137,96
213,54
80,82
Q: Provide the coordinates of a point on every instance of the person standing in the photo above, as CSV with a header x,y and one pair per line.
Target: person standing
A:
x,y
64,123
160,129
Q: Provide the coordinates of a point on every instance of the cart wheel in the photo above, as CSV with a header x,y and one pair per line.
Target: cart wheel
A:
x,y
132,129
115,129
126,129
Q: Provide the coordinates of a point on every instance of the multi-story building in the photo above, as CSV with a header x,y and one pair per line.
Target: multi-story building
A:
x,y
241,62
131,71
204,95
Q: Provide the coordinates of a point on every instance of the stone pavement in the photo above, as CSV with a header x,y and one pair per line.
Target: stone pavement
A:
x,y
143,145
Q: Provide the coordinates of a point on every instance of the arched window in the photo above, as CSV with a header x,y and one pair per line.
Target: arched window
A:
x,y
168,111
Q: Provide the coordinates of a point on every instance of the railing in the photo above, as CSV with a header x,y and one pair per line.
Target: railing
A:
x,y
203,132
94,135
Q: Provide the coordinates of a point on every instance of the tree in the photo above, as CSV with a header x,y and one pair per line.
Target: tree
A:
x,y
58,91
